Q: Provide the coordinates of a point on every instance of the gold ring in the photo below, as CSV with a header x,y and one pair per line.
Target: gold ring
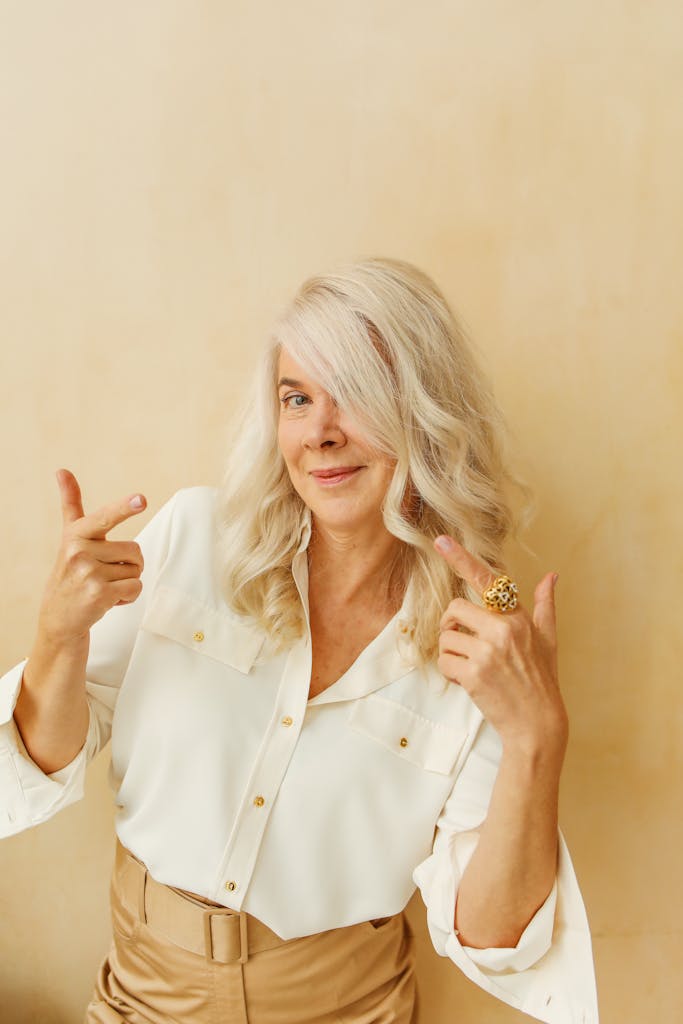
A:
x,y
501,596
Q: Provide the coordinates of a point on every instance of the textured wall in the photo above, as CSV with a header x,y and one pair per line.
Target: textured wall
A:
x,y
172,170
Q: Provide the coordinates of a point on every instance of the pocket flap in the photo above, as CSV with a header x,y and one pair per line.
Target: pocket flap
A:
x,y
431,745
205,629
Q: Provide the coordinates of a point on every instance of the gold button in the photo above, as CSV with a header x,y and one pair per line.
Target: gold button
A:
x,y
287,720
404,741
259,801
198,635
231,886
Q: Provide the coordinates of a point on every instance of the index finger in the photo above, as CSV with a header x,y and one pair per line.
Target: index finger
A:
x,y
70,495
465,564
97,524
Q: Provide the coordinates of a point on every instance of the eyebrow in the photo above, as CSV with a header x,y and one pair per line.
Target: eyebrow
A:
x,y
290,382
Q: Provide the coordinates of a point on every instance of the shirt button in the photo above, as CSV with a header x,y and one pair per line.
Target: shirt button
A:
x,y
231,886
198,635
403,741
287,720
259,801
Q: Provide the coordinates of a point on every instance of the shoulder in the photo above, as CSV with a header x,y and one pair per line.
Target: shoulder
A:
x,y
189,582
194,506
191,535
193,499
185,520
191,508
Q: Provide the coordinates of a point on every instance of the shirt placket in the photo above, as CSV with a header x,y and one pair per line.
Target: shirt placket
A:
x,y
270,767
274,755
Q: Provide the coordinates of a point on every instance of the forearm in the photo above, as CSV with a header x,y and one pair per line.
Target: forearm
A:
x,y
51,712
513,867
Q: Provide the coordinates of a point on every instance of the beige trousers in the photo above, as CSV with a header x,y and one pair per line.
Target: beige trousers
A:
x,y
179,959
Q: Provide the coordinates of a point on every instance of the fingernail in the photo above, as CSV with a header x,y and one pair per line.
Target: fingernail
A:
x,y
556,577
136,502
444,543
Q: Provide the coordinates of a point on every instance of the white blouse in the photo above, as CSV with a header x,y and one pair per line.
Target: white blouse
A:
x,y
309,814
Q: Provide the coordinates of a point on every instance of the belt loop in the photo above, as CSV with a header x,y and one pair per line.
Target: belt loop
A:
x,y
244,944
142,881
207,915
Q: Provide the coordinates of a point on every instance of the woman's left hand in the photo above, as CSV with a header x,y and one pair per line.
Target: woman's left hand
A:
x,y
508,665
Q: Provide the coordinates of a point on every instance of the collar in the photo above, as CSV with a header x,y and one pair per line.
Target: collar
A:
x,y
305,531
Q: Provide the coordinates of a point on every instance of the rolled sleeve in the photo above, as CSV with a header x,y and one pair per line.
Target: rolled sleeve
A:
x,y
27,794
549,974
534,941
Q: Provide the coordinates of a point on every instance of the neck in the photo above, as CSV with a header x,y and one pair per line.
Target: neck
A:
x,y
353,567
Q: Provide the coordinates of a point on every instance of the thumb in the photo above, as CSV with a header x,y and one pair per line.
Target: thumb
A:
x,y
70,493
544,608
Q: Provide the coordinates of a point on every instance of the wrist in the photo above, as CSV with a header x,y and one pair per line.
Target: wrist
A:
x,y
50,640
541,728
54,659
538,749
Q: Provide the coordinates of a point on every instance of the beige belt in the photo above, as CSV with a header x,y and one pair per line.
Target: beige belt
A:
x,y
218,933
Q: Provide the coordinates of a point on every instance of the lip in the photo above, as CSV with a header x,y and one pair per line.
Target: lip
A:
x,y
336,475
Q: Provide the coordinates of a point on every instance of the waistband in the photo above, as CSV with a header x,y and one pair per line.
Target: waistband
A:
x,y
220,934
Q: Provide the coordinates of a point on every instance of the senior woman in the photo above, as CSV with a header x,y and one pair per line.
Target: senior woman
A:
x,y
322,690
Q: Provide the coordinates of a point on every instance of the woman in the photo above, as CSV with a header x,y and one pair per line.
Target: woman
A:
x,y
313,705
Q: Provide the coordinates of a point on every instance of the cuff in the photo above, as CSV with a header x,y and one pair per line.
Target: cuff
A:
x,y
27,794
534,942
559,987
440,875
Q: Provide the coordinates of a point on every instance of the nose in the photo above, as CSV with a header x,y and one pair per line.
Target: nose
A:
x,y
323,425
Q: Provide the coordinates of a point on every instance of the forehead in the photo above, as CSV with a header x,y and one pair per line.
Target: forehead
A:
x,y
291,369
287,365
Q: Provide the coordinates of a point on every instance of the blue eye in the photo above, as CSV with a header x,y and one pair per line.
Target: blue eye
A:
x,y
286,399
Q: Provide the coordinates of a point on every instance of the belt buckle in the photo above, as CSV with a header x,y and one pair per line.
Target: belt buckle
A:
x,y
208,935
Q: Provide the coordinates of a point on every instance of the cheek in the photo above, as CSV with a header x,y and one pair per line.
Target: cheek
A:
x,y
290,456
378,481
387,472
286,443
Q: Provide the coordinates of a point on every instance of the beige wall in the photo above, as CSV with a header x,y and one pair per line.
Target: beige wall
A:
x,y
171,171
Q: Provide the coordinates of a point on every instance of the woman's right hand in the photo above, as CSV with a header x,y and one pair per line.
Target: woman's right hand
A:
x,y
91,574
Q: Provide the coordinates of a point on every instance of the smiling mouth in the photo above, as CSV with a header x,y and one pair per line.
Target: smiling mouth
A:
x,y
336,477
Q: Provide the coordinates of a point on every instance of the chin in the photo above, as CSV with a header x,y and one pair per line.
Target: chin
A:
x,y
341,516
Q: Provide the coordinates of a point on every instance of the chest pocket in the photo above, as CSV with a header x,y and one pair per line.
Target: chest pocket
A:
x,y
202,628
431,745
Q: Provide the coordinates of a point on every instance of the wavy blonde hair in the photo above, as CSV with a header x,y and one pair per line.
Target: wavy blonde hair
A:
x,y
380,337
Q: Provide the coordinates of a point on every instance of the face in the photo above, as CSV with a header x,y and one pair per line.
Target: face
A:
x,y
313,435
